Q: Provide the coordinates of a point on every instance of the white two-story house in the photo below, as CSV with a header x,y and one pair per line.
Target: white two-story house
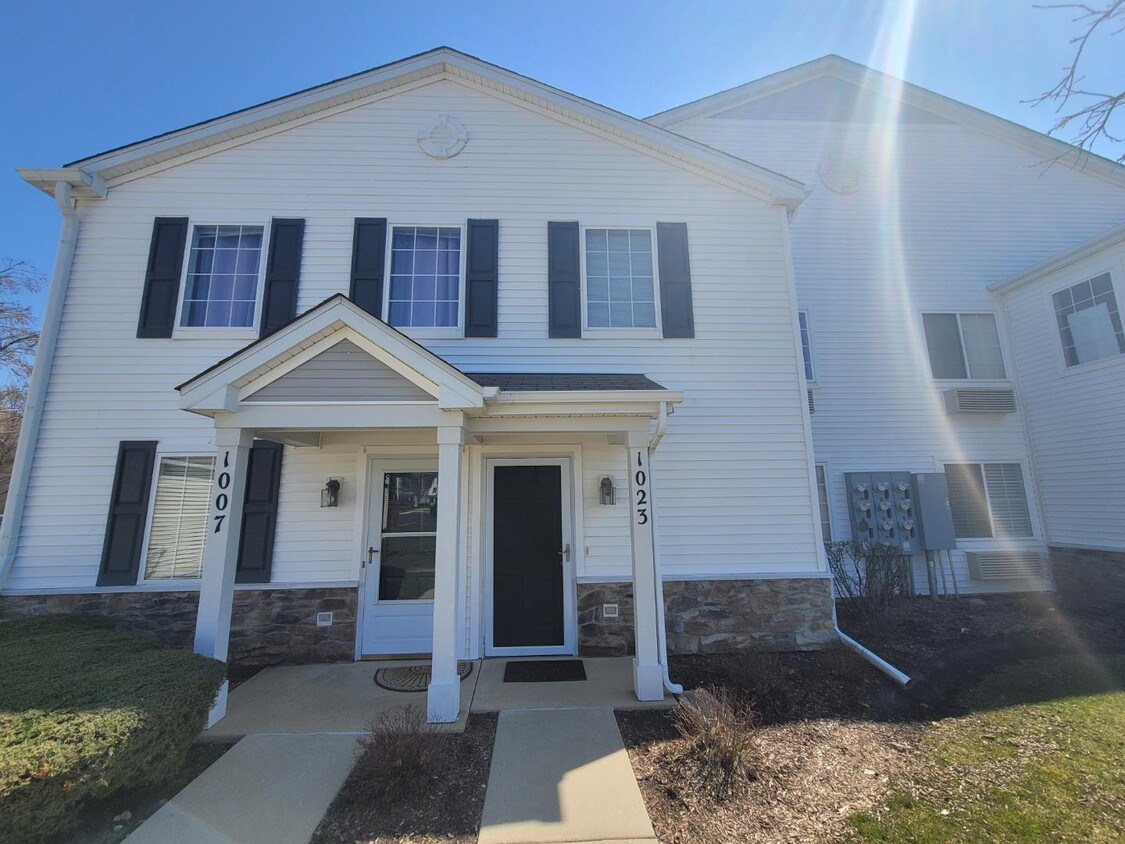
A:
x,y
436,359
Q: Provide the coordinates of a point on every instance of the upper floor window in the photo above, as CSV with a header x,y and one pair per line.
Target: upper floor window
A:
x,y
180,510
964,346
620,290
988,500
822,498
806,346
425,288
222,279
1089,323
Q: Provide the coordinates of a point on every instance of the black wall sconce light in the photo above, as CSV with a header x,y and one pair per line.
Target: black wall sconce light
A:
x,y
606,491
330,495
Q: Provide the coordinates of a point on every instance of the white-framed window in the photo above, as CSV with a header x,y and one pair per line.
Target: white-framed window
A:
x,y
822,498
223,283
1089,322
964,346
178,517
988,500
426,272
620,269
806,346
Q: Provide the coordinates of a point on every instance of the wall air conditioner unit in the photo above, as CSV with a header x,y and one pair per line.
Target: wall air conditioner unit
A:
x,y
1004,565
812,403
980,400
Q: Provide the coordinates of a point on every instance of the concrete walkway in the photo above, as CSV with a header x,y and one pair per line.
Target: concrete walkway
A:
x,y
267,789
562,776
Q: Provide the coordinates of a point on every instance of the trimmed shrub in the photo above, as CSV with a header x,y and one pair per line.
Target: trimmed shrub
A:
x,y
868,576
720,735
399,754
86,711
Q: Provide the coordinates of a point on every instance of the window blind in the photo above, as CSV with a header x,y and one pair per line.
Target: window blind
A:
x,y
179,518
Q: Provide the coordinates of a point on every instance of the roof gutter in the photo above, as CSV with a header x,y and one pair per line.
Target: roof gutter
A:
x,y
661,632
40,375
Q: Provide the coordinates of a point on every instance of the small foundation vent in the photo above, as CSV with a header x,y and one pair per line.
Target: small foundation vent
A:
x,y
324,619
1004,565
980,400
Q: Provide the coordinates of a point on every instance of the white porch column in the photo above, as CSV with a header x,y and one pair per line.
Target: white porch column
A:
x,y
443,696
648,677
220,556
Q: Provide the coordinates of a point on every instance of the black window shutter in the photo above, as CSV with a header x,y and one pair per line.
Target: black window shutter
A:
x,y
128,511
259,513
675,280
162,278
369,252
482,278
283,274
564,274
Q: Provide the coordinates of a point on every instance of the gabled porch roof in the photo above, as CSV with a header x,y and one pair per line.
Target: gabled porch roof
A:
x,y
431,386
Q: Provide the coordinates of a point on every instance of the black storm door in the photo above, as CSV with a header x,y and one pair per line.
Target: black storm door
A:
x,y
527,559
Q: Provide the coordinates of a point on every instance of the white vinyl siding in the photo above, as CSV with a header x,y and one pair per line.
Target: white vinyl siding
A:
x,y
1089,321
964,346
178,525
731,482
988,500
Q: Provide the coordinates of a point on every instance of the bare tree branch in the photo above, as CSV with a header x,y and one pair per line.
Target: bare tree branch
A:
x,y
19,335
1083,112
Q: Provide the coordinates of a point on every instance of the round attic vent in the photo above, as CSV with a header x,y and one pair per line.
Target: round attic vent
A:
x,y
841,173
444,138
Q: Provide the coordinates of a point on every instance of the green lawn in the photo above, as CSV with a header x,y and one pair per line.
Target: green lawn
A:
x,y
1041,758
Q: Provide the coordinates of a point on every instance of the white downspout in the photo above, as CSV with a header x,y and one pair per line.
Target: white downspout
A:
x,y
661,633
37,388
872,657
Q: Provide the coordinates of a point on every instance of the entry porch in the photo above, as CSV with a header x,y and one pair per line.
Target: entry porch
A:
x,y
492,572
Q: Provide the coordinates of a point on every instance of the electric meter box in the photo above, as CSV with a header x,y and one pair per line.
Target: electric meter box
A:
x,y
881,509
934,516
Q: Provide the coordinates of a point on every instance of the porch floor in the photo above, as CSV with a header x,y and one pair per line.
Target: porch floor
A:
x,y
342,698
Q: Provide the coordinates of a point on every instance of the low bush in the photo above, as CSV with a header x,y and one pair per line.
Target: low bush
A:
x,y
399,753
868,576
86,711
719,731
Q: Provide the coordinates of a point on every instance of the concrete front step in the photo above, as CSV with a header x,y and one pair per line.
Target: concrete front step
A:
x,y
562,777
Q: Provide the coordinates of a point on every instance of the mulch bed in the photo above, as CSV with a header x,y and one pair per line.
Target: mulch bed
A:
x,y
832,734
447,809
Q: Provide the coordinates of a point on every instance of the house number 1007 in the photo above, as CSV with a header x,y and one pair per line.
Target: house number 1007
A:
x,y
222,500
640,479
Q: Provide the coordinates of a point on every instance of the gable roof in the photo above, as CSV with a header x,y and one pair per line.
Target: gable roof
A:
x,y
913,100
439,63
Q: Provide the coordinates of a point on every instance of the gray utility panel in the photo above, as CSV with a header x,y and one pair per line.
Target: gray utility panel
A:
x,y
881,509
935,519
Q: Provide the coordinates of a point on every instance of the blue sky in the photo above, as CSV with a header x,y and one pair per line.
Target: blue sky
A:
x,y
80,77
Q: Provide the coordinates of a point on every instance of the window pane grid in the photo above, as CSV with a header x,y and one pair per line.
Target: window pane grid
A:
x,y
620,292
822,496
1089,322
425,277
222,281
179,518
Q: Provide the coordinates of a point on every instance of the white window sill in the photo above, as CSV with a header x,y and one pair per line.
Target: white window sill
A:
x,y
215,334
622,333
1094,365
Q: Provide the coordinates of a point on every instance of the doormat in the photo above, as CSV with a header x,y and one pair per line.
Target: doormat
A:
x,y
413,678
545,671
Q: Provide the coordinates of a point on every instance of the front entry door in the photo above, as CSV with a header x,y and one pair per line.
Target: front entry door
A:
x,y
398,590
528,559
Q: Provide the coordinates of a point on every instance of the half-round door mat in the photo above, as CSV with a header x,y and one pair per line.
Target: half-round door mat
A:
x,y
413,678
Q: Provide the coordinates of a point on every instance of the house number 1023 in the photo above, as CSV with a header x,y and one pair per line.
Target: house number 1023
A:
x,y
640,482
222,500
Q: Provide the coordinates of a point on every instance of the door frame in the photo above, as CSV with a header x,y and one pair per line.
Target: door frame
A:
x,y
569,567
375,464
